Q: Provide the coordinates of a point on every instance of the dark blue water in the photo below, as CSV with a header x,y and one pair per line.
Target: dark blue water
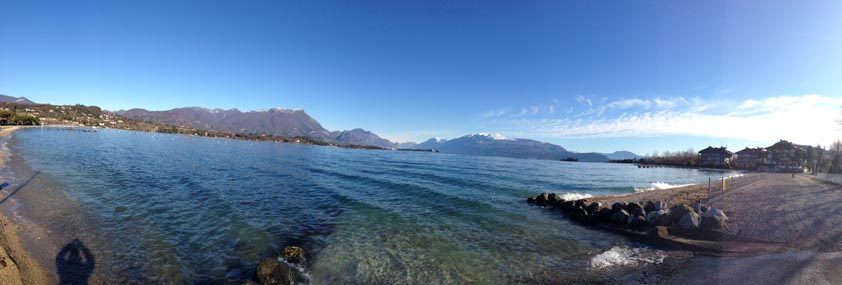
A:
x,y
193,210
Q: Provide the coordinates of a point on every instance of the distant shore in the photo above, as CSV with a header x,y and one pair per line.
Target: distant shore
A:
x,y
16,265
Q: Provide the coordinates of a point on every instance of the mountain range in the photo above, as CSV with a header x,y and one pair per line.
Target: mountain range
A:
x,y
10,99
275,121
493,144
297,123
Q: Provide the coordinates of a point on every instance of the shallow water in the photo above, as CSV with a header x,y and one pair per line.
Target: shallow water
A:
x,y
184,209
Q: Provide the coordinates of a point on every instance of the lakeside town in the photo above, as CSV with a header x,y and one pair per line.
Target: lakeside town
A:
x,y
783,156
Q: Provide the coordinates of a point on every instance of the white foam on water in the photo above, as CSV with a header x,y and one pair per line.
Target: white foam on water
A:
x,y
659,186
625,256
574,196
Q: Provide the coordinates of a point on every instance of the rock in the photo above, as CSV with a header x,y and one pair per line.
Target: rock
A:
x,y
552,198
620,217
653,218
649,206
530,200
616,207
690,220
667,219
604,215
714,219
634,215
678,211
660,205
270,272
636,221
714,223
594,207
543,199
292,254
581,202
578,214
638,212
701,209
566,206
631,206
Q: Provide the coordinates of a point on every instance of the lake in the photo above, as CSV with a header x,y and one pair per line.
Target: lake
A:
x,y
169,208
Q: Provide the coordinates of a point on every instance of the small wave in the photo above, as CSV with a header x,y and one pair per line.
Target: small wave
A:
x,y
659,186
625,256
574,196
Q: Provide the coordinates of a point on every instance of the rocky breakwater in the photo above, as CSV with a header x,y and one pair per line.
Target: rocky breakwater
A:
x,y
638,216
286,268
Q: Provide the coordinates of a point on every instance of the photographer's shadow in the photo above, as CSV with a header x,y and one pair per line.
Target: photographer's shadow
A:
x,y
74,263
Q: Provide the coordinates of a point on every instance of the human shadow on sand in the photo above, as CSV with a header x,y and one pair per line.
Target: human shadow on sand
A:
x,y
74,263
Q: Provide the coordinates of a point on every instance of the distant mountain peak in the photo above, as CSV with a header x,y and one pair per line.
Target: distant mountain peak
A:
x,y
19,100
494,136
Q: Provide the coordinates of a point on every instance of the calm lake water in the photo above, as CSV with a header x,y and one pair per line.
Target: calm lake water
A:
x,y
166,208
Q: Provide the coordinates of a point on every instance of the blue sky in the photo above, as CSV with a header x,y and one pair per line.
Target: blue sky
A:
x,y
588,75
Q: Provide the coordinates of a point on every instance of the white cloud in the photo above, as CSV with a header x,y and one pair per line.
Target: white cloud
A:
x,y
629,103
807,119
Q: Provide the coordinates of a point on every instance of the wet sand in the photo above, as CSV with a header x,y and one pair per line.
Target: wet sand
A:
x,y
17,266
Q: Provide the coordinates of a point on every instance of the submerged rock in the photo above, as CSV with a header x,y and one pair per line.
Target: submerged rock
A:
x,y
530,200
689,221
292,254
620,217
271,272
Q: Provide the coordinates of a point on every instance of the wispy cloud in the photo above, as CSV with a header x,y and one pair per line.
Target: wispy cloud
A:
x,y
809,119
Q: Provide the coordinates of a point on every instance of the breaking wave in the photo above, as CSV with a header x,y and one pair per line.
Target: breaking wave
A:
x,y
625,256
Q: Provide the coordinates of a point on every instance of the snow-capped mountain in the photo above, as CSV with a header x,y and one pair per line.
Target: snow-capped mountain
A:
x,y
495,144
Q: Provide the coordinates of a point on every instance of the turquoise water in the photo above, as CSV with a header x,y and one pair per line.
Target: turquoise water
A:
x,y
157,207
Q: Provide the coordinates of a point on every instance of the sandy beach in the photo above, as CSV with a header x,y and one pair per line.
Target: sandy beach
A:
x,y
16,265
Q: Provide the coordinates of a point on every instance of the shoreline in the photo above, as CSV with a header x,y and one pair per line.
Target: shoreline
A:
x,y
780,227
17,266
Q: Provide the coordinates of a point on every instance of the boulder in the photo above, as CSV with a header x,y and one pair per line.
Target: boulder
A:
x,y
594,207
530,200
660,205
604,215
714,219
636,221
638,212
581,202
578,214
543,199
616,207
653,218
649,206
292,254
631,206
700,208
690,220
678,211
666,219
270,272
620,217
552,198
566,206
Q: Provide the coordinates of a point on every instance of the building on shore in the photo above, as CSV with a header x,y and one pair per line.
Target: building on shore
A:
x,y
785,156
715,157
750,158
